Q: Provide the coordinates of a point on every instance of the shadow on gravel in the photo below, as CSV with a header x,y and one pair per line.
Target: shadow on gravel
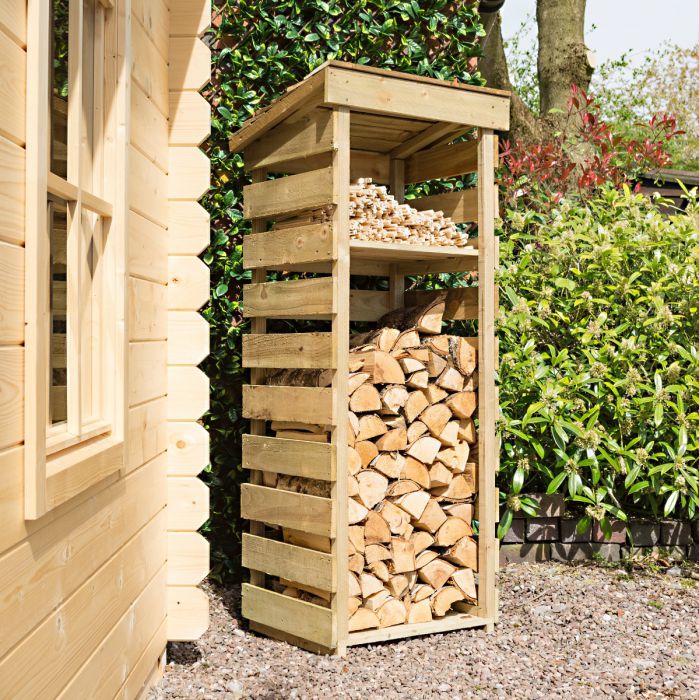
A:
x,y
183,653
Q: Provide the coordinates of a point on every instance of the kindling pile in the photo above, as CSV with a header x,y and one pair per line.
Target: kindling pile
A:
x,y
412,471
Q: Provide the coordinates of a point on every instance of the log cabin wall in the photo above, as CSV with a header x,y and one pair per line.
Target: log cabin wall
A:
x,y
84,599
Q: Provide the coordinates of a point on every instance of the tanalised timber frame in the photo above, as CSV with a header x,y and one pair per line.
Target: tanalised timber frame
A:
x,y
340,123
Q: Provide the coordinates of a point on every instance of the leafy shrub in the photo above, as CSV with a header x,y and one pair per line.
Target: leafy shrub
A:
x,y
599,371
259,49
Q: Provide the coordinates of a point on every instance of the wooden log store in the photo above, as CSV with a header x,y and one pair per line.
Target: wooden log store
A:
x,y
342,549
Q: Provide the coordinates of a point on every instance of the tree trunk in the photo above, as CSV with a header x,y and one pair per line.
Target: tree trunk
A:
x,y
562,61
563,56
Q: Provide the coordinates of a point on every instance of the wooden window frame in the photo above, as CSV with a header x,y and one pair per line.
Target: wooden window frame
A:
x,y
64,462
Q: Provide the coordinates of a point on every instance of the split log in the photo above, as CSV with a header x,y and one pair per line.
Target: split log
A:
x,y
415,405
463,404
451,532
402,556
357,512
420,612
425,449
393,440
376,552
381,367
464,553
413,503
463,355
363,619
431,519
424,319
389,464
392,613
436,417
416,471
365,398
444,599
463,579
398,520
301,377
421,541
372,488
393,398
370,426
415,430
376,529
356,379
436,573
367,451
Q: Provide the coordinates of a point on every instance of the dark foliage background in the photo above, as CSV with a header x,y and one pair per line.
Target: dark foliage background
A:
x,y
259,49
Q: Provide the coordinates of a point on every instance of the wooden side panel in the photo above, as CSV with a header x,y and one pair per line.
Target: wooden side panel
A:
x,y
150,69
147,249
293,246
11,294
462,302
12,89
188,333
11,396
460,206
442,162
310,460
147,188
149,128
291,403
147,371
288,350
14,20
11,192
292,299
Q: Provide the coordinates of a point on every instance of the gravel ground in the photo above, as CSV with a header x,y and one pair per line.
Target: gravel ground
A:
x,y
565,632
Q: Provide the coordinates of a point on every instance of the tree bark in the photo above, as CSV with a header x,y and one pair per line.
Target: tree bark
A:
x,y
563,56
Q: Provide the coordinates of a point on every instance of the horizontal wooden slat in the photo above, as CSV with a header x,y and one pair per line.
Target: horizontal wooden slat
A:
x,y
149,68
442,162
11,293
187,558
14,20
290,194
187,613
292,299
147,188
302,244
147,371
187,338
190,119
377,166
12,88
423,139
387,95
288,614
367,305
189,231
188,283
147,432
290,403
187,503
11,395
306,137
148,127
298,564
190,63
280,350
154,17
459,206
147,310
188,448
11,192
147,249
310,460
299,511
462,303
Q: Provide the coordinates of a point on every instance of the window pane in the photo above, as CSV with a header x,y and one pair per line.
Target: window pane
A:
x,y
58,376
59,86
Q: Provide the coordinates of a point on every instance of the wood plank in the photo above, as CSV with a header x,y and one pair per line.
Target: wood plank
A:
x,y
14,20
149,69
147,432
65,639
190,119
73,471
188,393
188,283
187,558
442,161
422,139
285,195
149,668
265,119
11,395
462,302
368,305
451,621
190,63
301,244
189,17
149,128
188,448
387,94
305,298
154,17
11,294
147,185
282,350
298,564
187,338
117,655
43,571
377,166
187,503
303,138
13,69
147,310
189,173
400,252
11,192
289,403
147,371
187,613
288,614
310,460
189,230
299,511
147,249
461,206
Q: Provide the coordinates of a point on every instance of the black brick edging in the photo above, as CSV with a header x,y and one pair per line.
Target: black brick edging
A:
x,y
552,535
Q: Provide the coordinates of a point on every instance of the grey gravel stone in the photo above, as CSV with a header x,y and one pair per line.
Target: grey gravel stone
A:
x,y
542,529
608,642
667,553
675,571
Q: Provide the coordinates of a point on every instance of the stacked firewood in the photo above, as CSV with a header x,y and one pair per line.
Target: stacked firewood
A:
x,y
412,470
375,215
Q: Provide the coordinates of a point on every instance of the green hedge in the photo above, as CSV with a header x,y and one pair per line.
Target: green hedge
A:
x,y
259,49
599,341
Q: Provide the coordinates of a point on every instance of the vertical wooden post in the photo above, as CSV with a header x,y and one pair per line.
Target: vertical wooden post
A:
x,y
487,397
340,331
396,281
257,427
